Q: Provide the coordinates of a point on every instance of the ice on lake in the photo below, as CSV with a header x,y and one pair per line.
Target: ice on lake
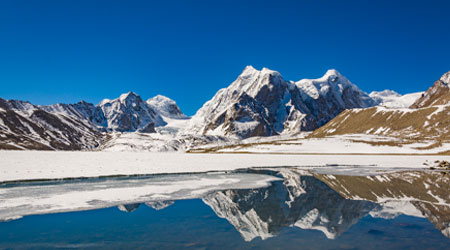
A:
x,y
266,207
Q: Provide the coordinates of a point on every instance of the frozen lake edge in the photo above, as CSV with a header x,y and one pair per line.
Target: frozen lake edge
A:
x,y
41,165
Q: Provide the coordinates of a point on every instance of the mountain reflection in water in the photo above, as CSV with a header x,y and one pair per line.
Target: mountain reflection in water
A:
x,y
330,203
299,198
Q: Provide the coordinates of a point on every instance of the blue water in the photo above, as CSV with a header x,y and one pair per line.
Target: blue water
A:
x,y
191,224
270,217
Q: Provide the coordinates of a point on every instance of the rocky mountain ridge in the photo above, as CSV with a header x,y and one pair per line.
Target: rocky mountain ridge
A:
x,y
79,126
438,94
262,103
258,103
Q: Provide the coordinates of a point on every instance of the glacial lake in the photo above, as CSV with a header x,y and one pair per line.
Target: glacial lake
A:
x,y
276,208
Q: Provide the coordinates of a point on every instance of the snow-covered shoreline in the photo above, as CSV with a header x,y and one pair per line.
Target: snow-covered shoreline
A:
x,y
339,144
34,165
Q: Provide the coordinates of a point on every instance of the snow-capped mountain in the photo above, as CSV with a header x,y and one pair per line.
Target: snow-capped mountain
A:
x,y
391,99
26,126
127,113
81,125
262,103
166,136
165,106
257,103
438,94
130,113
329,95
335,90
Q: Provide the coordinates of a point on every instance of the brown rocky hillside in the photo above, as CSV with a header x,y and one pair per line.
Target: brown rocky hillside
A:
x,y
428,118
424,123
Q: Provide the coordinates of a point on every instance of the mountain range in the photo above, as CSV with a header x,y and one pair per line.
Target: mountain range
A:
x,y
426,118
258,103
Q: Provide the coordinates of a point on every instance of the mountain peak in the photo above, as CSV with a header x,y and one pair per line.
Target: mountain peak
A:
x,y
332,72
333,76
250,68
129,95
165,106
250,71
160,98
334,82
445,78
269,71
130,113
83,102
438,94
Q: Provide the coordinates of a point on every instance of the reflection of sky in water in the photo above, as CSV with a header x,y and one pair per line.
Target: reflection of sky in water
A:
x,y
192,224
236,211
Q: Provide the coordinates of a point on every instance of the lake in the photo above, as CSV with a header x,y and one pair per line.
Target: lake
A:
x,y
272,208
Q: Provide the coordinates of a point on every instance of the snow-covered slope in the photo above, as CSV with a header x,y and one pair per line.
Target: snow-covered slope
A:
x,y
391,99
262,103
165,106
175,120
438,94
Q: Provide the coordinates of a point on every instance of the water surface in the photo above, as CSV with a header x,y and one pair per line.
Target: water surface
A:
x,y
258,209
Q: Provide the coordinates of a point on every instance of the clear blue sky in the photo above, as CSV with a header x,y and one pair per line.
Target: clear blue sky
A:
x,y
65,51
